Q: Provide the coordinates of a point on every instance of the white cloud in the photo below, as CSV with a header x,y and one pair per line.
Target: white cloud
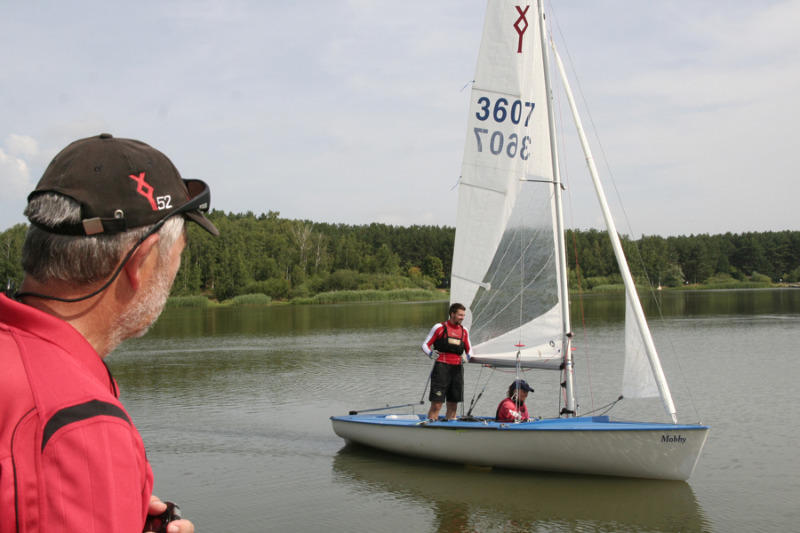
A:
x,y
15,176
15,168
22,145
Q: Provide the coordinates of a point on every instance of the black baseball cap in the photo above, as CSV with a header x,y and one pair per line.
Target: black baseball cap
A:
x,y
521,384
121,184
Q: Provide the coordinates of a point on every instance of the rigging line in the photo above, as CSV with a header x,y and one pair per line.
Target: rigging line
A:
x,y
462,392
607,407
565,176
511,271
493,294
510,302
474,402
626,218
517,377
521,258
475,392
430,376
521,291
357,411
501,369
562,398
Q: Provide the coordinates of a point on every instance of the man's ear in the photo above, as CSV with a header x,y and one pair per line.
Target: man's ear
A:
x,y
143,258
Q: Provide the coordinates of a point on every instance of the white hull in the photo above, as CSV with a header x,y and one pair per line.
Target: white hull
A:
x,y
593,445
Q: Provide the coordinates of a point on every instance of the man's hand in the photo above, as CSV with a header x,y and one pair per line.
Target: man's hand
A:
x,y
464,358
178,526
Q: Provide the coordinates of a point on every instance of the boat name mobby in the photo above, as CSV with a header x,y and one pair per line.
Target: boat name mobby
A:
x,y
673,438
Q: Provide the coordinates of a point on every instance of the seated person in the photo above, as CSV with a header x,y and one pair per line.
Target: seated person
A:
x,y
513,408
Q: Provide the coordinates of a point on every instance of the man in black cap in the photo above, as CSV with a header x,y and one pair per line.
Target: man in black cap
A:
x,y
104,246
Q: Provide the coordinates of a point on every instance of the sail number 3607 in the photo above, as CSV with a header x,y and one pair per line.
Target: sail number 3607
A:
x,y
497,143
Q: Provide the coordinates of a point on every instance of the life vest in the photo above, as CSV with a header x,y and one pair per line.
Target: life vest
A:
x,y
448,343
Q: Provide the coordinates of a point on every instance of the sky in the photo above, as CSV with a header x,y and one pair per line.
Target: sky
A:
x,y
354,111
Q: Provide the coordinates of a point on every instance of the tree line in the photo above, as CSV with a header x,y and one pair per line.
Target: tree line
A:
x,y
286,259
765,257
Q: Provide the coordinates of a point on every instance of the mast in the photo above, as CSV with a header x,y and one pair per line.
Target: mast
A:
x,y
569,388
630,287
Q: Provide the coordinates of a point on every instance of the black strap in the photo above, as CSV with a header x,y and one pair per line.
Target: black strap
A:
x,y
90,226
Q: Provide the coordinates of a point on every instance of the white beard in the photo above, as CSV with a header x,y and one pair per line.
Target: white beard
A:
x,y
144,311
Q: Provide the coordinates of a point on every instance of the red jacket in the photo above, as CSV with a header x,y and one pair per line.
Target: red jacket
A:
x,y
70,457
508,411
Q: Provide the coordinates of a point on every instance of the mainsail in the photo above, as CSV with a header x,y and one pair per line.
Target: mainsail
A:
x,y
505,261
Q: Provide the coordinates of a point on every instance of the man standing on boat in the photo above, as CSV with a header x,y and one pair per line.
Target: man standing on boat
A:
x,y
451,340
105,244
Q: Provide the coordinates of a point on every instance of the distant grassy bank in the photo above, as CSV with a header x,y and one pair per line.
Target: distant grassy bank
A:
x,y
334,297
736,285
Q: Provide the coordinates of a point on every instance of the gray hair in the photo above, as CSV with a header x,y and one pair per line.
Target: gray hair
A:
x,y
80,260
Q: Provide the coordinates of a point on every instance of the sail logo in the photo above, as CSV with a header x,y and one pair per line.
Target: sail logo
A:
x,y
521,25
673,438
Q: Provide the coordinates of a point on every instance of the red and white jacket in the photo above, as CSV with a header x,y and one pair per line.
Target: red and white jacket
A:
x,y
438,339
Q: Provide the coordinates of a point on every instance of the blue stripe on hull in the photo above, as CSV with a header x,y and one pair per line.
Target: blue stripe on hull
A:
x,y
593,423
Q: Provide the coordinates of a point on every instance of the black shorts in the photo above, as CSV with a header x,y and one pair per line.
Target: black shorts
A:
x,y
447,383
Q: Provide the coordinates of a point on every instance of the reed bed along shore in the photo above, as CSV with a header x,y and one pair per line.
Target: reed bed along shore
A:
x,y
334,297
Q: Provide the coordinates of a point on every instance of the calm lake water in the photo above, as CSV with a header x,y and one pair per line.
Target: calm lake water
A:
x,y
234,407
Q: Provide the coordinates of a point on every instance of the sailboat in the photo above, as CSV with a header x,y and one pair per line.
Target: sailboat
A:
x,y
510,271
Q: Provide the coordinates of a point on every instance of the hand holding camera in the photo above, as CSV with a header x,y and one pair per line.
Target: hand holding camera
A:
x,y
158,523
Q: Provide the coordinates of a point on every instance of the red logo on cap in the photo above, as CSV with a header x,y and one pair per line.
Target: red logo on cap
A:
x,y
144,188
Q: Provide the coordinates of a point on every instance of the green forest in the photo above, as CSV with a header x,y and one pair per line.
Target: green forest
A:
x,y
276,259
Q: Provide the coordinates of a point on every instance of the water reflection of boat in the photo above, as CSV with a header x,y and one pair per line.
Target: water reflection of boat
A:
x,y
465,500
